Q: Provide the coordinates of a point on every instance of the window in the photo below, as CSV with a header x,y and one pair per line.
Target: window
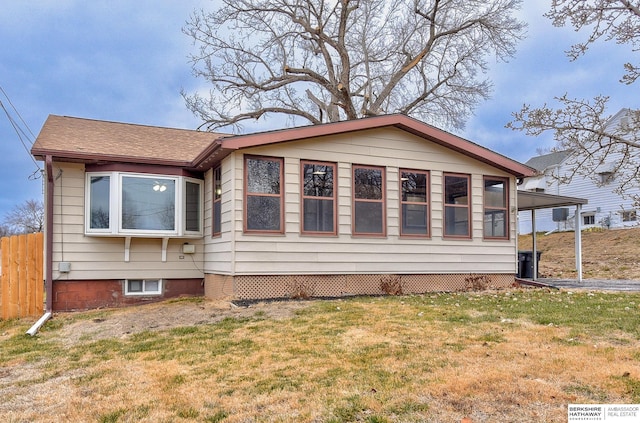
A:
x,y
496,208
143,287
318,197
589,219
414,203
368,200
131,204
217,202
99,202
192,206
264,202
148,204
629,216
606,177
457,208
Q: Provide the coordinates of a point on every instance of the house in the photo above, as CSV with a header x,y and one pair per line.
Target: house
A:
x,y
139,213
606,208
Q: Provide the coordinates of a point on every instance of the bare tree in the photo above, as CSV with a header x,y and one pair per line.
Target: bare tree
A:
x,y
583,126
329,60
5,231
27,217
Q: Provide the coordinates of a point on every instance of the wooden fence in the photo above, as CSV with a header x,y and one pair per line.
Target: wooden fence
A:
x,y
22,286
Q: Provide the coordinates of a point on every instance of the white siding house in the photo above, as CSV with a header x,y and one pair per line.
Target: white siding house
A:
x,y
605,208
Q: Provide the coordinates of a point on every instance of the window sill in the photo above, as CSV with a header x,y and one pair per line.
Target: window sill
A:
x,y
142,235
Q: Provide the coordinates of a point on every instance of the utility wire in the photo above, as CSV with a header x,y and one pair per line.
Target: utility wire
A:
x,y
22,135
18,113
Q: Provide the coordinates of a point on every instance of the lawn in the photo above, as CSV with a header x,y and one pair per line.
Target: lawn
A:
x,y
496,356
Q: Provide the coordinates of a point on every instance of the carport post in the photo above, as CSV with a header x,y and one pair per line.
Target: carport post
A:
x,y
578,235
535,244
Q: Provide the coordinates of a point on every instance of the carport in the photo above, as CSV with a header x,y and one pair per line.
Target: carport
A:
x,y
532,201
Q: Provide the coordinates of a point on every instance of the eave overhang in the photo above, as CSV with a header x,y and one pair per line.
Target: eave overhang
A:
x,y
224,146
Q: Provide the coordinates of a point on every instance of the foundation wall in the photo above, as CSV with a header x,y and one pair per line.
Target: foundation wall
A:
x,y
92,294
304,286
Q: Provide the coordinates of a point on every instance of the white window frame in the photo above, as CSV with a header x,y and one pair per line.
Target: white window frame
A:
x,y
176,220
182,222
115,206
112,204
591,216
144,291
629,215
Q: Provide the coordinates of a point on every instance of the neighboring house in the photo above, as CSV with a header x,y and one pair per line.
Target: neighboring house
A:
x,y
138,213
605,208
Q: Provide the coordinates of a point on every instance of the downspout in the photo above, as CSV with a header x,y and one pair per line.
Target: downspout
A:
x,y
48,260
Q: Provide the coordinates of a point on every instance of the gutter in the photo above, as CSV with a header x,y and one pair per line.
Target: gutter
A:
x,y
48,260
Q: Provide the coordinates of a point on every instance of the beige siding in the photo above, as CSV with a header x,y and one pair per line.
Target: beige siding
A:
x,y
294,253
96,257
219,249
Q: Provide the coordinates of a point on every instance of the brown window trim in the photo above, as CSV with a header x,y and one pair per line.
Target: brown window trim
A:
x,y
427,203
247,194
467,206
334,198
505,181
216,200
142,168
382,201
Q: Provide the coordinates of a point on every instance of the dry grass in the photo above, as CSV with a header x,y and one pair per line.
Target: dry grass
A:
x,y
606,254
507,356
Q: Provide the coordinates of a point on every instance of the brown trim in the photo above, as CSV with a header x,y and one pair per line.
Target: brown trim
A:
x,y
382,201
49,234
142,168
75,157
216,198
399,121
248,157
427,202
505,209
446,205
334,198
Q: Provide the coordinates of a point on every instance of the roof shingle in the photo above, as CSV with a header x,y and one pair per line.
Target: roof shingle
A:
x,y
87,139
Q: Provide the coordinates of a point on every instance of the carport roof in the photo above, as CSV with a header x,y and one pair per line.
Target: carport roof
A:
x,y
528,200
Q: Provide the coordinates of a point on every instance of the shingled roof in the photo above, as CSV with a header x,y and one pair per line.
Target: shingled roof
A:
x,y
94,141
87,140
544,161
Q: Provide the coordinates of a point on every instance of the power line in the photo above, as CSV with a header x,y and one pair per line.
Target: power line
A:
x,y
18,113
22,135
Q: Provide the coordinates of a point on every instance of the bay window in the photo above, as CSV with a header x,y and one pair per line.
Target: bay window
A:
x,y
134,204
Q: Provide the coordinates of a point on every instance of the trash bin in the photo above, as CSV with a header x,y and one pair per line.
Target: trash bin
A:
x,y
525,264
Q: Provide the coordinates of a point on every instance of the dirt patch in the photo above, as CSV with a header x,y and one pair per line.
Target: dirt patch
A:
x,y
606,254
122,323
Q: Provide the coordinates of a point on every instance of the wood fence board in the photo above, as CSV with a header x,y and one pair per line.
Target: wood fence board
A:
x,y
38,278
39,295
5,245
14,276
22,271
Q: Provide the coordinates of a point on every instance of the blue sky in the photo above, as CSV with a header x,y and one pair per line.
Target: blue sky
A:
x,y
127,61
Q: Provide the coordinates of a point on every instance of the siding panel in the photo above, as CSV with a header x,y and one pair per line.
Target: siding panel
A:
x,y
394,149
